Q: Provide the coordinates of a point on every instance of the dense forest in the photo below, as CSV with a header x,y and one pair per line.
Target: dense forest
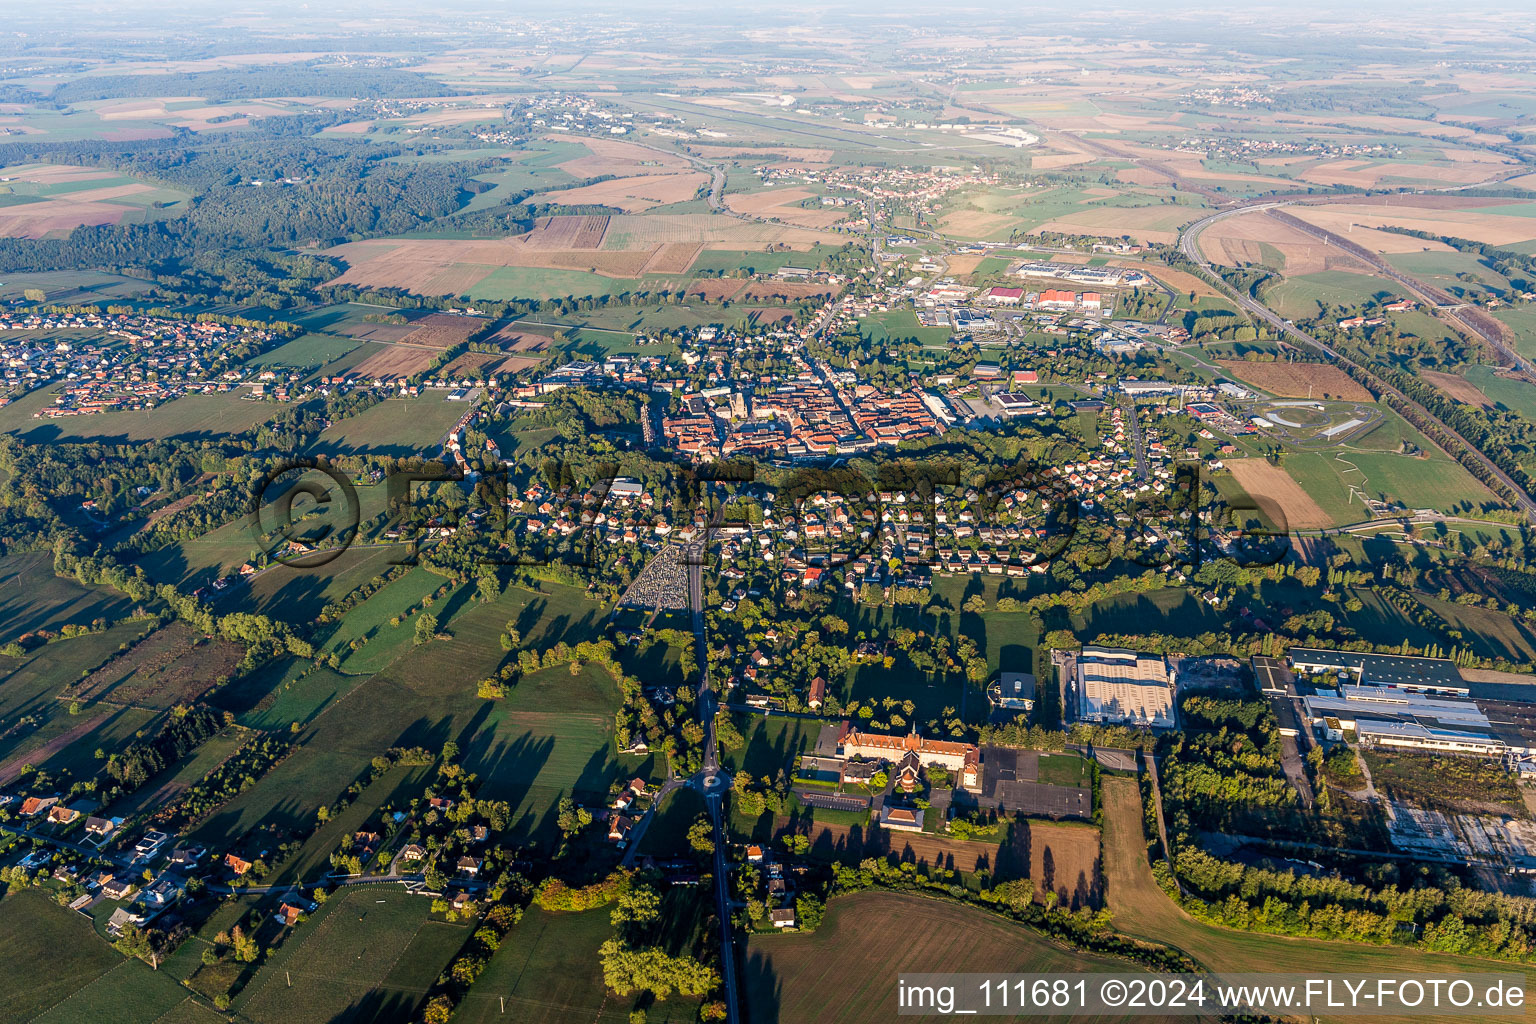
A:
x,y
253,83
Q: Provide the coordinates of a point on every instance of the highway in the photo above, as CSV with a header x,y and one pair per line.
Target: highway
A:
x,y
1189,244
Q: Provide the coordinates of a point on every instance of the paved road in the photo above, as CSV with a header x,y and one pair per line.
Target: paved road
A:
x,y
713,781
1189,244
1142,472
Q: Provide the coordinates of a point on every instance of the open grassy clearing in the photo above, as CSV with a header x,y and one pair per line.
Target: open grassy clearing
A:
x,y
307,351
548,971
46,954
33,597
1304,296
190,417
553,737
395,426
342,959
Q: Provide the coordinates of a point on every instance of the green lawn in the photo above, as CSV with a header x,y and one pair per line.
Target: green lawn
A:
x,y
551,735
32,597
548,972
190,417
1302,296
395,426
900,324
341,962
307,351
47,955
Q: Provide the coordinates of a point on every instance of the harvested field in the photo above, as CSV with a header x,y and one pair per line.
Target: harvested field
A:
x,y
850,844
786,291
1370,174
1151,223
715,289
629,246
763,317
456,280
633,194
1298,380
714,231
578,232
38,220
1280,498
366,331
978,223
672,258
1482,225
443,330
1458,387
42,754
784,204
964,264
845,969
1061,858
610,156
1244,239
394,361
813,156
173,665
52,174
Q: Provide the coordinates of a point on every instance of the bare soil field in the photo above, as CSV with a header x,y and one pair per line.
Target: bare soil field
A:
x,y
443,330
1298,380
1278,496
514,339
395,361
852,843
634,194
38,220
1457,387
173,665
763,317
473,364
